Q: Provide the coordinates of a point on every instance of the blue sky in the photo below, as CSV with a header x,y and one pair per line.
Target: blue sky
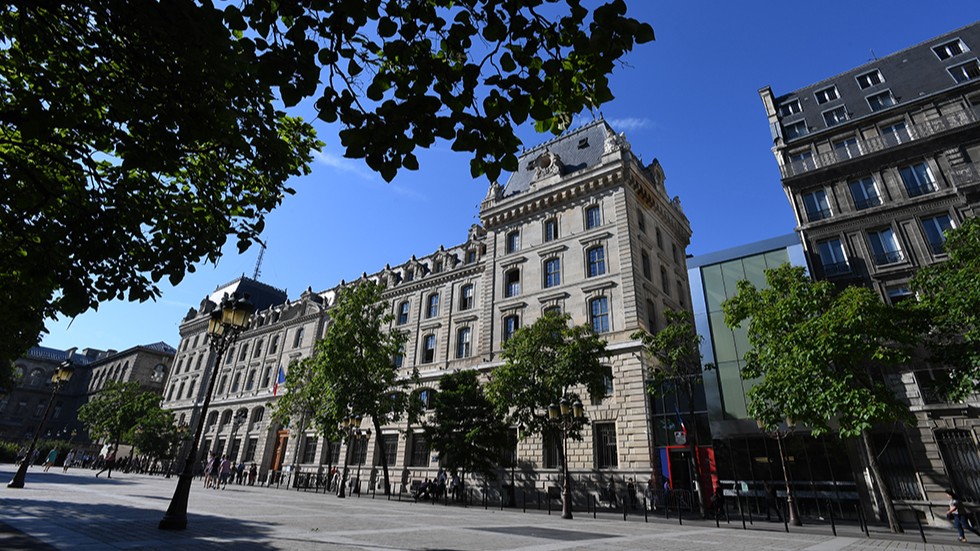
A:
x,y
689,99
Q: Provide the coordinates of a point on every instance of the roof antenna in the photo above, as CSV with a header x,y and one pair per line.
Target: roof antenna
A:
x,y
873,56
258,263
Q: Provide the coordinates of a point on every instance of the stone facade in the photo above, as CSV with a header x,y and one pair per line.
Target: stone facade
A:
x,y
877,162
582,226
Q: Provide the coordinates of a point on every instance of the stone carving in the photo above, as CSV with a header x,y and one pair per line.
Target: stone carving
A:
x,y
547,164
615,142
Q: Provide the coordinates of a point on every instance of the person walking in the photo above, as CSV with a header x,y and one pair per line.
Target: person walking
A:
x,y
110,462
225,471
958,514
52,457
69,459
771,500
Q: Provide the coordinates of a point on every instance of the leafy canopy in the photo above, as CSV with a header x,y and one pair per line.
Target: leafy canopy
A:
x,y
466,429
821,353
544,362
118,409
677,349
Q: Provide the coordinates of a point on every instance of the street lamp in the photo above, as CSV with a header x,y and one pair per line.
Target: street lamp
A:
x,y
780,434
361,438
566,416
236,423
62,375
226,324
350,427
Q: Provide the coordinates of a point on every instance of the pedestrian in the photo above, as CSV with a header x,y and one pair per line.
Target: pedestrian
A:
x,y
959,515
772,502
211,469
454,486
240,473
108,464
69,459
253,473
631,492
652,494
225,471
52,457
611,491
718,503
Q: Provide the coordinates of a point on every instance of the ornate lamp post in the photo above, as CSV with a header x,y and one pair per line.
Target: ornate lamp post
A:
x,y
226,324
566,417
236,423
348,427
361,437
779,433
62,375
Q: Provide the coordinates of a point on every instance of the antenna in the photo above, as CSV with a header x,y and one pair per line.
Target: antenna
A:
x,y
873,56
258,263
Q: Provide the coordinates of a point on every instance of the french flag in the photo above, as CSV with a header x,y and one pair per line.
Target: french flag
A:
x,y
280,379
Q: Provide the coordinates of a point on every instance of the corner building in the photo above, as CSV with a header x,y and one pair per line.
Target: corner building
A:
x,y
583,226
877,162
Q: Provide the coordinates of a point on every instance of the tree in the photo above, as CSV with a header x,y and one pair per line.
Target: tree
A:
x,y
352,371
137,135
679,371
116,410
949,295
543,363
466,429
822,355
156,434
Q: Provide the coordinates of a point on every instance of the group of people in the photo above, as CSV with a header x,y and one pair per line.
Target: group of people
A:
x,y
219,471
435,489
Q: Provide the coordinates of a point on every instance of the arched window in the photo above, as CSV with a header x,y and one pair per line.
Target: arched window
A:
x,y
552,272
258,414
512,283
250,380
463,342
212,419
432,306
225,417
466,297
37,377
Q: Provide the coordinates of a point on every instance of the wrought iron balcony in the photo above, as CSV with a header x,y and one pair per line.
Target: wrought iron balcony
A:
x,y
816,215
879,143
836,268
890,257
867,203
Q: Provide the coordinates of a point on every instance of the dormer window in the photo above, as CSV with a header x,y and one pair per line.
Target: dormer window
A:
x,y
826,95
869,79
791,107
950,49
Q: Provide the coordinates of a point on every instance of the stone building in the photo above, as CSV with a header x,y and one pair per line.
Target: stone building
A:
x,y
877,162
583,226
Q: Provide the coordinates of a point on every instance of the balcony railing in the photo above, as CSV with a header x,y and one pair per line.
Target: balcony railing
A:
x,y
815,215
878,143
836,268
920,189
867,203
890,257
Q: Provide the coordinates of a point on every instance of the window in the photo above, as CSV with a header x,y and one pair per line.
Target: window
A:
x,y
960,456
835,116
512,283
645,264
420,451
935,228
673,253
552,272
428,349
869,79
664,281
605,445
597,261
592,217
267,376
513,242
846,149
432,306
801,161
298,339
831,253
550,229
425,397
258,415
950,49
551,444
641,221
795,130
470,257
437,267
791,107
463,342
236,382
918,179
651,317
258,349
389,447
403,313
884,246
274,345
409,274
309,449
965,71
511,325
895,133
466,297
222,383
399,356
243,353
599,314
660,240
250,447
816,205
230,356
180,391
865,193
826,95
881,100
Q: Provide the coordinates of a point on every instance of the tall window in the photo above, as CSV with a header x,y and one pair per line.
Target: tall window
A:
x,y
309,449
896,133
250,380
965,71
884,246
463,342
274,345
865,193
298,339
651,317
513,242
389,447
847,148
403,313
512,283
420,450
243,353
236,382
258,349
432,306
641,221
645,264
664,280
934,227
592,217
466,297
552,272
606,455
428,349
881,100
550,229
918,179
511,324
597,261
832,257
599,314
816,205
607,383
400,356
551,444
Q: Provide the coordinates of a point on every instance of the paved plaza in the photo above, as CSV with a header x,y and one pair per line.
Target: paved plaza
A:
x,y
78,511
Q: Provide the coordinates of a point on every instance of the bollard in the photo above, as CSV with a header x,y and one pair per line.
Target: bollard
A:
x,y
549,504
538,495
625,504
484,499
833,525
785,520
645,512
922,534
741,511
524,500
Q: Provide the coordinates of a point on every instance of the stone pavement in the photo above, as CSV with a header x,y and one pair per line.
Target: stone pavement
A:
x,y
78,511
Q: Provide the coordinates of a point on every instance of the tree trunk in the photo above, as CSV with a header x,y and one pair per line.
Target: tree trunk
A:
x,y
384,457
886,496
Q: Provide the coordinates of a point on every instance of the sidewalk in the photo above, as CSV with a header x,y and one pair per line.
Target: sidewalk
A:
x,y
78,511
